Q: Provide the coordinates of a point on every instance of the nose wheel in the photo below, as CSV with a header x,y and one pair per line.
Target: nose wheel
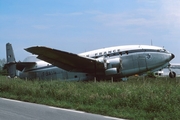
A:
x,y
172,74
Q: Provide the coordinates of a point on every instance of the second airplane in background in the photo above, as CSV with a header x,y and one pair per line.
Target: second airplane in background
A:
x,y
116,62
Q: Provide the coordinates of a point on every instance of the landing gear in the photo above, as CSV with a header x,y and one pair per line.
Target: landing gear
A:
x,y
172,74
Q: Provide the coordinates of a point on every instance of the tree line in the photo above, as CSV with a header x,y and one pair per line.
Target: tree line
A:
x,y
2,63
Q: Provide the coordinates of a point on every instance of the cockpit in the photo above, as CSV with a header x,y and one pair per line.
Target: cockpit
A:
x,y
164,50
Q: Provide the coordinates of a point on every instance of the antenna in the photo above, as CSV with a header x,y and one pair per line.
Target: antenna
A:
x,y
151,42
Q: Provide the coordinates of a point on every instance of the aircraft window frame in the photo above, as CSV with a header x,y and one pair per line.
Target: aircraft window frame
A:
x,y
164,50
100,53
87,55
109,52
114,51
118,50
96,54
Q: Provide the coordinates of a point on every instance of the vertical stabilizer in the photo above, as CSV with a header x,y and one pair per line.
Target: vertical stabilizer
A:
x,y
11,62
9,53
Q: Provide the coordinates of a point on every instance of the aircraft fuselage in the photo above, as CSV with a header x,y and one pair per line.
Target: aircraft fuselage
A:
x,y
119,62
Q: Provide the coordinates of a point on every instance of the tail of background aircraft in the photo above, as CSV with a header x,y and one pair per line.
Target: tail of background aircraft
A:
x,y
11,62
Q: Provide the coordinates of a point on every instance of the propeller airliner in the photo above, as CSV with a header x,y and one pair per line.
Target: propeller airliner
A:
x,y
117,62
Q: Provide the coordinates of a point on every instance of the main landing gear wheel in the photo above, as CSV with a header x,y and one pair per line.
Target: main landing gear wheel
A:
x,y
172,74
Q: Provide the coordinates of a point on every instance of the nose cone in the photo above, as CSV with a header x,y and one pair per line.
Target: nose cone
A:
x,y
172,56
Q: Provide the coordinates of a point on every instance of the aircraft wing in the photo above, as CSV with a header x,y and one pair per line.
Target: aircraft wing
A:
x,y
67,61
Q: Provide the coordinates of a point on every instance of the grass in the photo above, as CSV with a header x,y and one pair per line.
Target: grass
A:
x,y
150,98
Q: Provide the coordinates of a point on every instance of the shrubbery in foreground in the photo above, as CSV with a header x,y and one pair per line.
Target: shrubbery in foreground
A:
x,y
152,98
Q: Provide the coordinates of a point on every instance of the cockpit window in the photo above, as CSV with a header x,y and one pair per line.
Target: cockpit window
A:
x,y
163,50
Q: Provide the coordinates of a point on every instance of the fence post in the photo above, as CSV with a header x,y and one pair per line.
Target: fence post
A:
x,y
112,79
95,79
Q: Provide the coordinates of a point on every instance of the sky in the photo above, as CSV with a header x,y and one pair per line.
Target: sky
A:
x,y
78,26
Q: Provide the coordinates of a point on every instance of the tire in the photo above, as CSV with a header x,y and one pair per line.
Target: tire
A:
x,y
172,74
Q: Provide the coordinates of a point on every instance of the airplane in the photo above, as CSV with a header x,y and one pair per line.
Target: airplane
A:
x,y
165,71
112,62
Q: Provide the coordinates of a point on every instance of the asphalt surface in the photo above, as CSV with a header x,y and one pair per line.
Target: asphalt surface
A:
x,y
18,110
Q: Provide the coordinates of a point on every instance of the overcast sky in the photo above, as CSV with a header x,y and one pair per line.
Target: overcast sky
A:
x,y
81,25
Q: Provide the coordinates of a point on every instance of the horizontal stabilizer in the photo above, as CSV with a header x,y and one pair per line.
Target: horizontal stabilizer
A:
x,y
20,65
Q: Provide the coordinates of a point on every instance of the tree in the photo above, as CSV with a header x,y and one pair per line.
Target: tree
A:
x,y
2,63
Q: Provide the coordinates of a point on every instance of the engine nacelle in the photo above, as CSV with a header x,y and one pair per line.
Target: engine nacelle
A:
x,y
112,65
115,62
111,71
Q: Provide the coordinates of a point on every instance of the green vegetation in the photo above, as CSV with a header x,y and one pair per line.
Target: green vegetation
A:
x,y
3,72
138,98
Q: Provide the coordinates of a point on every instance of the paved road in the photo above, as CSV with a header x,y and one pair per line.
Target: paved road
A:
x,y
18,110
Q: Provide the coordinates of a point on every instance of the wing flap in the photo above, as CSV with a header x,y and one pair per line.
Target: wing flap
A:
x,y
67,61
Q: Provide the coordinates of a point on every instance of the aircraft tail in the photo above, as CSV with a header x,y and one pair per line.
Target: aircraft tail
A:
x,y
10,53
11,62
12,66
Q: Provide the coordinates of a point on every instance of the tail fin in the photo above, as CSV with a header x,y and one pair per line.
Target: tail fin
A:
x,y
9,53
11,62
